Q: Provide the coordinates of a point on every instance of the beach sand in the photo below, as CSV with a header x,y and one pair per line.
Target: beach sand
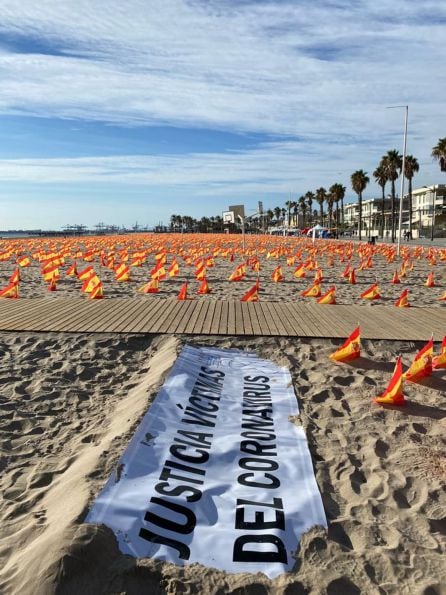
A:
x,y
32,284
70,403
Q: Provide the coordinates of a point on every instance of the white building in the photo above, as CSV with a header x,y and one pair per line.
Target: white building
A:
x,y
423,201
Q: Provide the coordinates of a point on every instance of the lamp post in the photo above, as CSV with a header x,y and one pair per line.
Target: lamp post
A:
x,y
433,213
400,216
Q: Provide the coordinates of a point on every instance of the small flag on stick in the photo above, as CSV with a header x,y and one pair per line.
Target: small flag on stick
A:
x,y
393,395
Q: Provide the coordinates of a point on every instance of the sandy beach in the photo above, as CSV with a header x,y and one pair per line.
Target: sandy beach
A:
x,y
381,472
70,403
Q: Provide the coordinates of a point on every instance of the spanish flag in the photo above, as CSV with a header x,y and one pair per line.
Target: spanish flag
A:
x,y
200,272
395,278
150,287
72,270
52,286
313,291
122,272
204,287
329,297
10,291
402,301
352,277
159,273
238,273
372,293
430,280
24,261
346,272
52,273
439,361
252,295
299,271
183,292
350,350
277,275
174,268
97,293
318,276
90,283
393,395
85,273
15,276
421,367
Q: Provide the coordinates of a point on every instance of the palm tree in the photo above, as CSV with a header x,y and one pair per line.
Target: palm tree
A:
x,y
411,167
321,195
392,162
310,197
269,216
295,211
277,212
289,204
439,153
380,176
303,208
330,203
338,192
359,181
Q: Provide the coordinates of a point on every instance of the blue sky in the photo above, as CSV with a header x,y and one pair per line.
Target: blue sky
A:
x,y
123,112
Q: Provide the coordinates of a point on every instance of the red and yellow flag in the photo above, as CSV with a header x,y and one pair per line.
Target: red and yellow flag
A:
x,y
24,261
72,270
439,361
402,301
421,367
10,291
97,293
122,272
430,281
85,273
329,297
352,277
182,295
393,395
238,273
174,268
351,349
15,276
150,287
395,278
313,291
299,272
277,274
204,287
372,293
252,295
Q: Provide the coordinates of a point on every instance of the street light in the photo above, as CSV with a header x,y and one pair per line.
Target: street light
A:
x,y
400,217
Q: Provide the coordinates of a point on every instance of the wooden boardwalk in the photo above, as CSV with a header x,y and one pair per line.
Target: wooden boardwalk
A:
x,y
212,317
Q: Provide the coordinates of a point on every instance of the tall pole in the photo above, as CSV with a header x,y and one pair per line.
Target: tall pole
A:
x,y
403,169
433,213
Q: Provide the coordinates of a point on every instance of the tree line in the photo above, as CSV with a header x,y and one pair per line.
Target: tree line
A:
x,y
387,171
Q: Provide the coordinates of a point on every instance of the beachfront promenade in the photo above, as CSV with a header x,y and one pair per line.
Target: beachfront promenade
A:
x,y
212,317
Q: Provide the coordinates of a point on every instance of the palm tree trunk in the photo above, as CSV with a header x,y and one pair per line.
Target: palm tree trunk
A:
x,y
383,210
342,211
410,208
322,214
360,215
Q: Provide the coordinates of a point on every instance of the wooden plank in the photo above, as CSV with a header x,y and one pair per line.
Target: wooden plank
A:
x,y
164,317
232,327
202,317
256,328
190,306
242,311
18,310
223,326
148,315
111,308
207,324
193,317
275,318
328,321
296,315
41,319
264,327
286,319
125,318
215,324
88,316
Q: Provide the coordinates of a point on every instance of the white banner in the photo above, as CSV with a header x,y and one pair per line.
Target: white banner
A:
x,y
216,473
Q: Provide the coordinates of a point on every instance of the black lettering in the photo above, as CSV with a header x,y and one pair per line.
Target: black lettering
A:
x,y
176,451
252,464
197,418
196,436
262,379
209,372
259,523
167,474
251,447
240,554
199,405
274,481
259,436
165,489
183,550
183,528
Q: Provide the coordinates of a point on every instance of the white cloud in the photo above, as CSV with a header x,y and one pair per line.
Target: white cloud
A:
x,y
276,67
